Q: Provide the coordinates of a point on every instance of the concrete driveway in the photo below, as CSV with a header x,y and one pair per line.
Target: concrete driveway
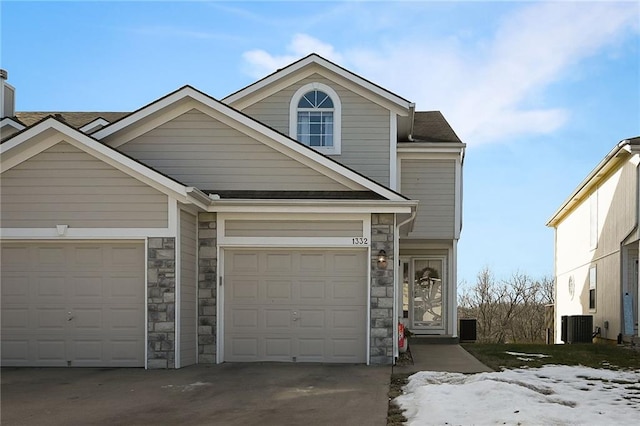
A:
x,y
226,394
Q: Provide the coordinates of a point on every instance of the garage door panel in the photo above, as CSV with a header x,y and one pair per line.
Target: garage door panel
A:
x,y
15,286
313,319
15,351
279,291
15,319
312,263
277,320
244,289
244,318
343,349
87,258
312,290
51,319
87,319
311,349
124,320
123,286
86,351
243,348
51,285
347,290
347,320
300,305
52,258
277,263
126,257
277,348
347,263
70,302
51,350
245,262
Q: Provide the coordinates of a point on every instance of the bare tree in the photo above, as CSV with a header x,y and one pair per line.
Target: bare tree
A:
x,y
509,310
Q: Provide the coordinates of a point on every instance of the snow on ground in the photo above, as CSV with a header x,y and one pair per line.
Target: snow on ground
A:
x,y
551,395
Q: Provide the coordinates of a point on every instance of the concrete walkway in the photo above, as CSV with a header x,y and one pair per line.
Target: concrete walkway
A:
x,y
441,357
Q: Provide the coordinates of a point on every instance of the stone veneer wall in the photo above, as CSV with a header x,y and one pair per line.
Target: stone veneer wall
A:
x,y
382,229
161,306
207,288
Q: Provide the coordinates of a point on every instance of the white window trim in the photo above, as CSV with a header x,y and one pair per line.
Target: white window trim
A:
x,y
337,116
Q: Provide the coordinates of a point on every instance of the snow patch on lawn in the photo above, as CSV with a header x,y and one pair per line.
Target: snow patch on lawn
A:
x,y
552,394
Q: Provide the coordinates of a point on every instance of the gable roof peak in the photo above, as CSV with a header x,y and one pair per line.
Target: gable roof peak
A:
x,y
268,84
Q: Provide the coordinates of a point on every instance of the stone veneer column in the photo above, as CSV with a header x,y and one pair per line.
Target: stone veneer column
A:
x,y
382,230
207,288
161,306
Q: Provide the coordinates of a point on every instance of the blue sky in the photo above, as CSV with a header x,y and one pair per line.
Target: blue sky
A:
x,y
539,91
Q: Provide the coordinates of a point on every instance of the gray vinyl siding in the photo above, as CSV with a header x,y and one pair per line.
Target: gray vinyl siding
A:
x,y
365,126
7,131
432,182
64,185
188,325
201,151
295,228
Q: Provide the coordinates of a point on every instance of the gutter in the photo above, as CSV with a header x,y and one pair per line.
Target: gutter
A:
x,y
623,145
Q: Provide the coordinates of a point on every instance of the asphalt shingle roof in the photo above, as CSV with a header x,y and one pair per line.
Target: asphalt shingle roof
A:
x,y
431,126
74,119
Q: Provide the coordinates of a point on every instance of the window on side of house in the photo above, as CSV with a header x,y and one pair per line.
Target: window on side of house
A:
x,y
592,287
315,118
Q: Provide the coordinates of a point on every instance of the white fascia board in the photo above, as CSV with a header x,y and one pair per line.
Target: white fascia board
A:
x,y
402,105
258,131
8,121
92,124
609,162
429,147
311,206
94,148
83,233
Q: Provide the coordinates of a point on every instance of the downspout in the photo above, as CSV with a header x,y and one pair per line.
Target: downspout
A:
x,y
412,118
396,281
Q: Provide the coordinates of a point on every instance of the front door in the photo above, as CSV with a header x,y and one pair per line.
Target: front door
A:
x,y
425,278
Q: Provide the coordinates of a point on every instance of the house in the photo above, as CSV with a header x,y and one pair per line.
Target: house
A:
x,y
282,223
596,247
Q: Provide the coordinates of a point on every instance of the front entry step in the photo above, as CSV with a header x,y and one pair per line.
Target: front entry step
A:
x,y
427,339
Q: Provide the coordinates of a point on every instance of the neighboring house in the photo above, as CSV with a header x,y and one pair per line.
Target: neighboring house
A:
x,y
282,223
596,246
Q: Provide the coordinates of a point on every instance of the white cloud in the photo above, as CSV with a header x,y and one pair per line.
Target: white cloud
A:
x,y
261,63
491,89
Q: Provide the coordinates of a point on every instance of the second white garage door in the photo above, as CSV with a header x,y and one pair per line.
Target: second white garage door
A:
x,y
296,306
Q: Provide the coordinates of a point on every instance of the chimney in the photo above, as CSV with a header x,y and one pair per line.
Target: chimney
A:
x,y
7,97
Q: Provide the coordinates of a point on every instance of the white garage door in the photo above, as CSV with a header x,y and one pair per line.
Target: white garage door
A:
x,y
73,304
303,305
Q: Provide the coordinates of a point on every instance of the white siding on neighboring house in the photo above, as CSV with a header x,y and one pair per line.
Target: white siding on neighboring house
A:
x,y
188,289
365,126
65,185
613,203
201,151
433,183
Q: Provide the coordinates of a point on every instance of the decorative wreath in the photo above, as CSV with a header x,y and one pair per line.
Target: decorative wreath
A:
x,y
427,276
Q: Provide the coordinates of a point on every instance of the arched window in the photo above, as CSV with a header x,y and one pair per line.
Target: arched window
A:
x,y
315,118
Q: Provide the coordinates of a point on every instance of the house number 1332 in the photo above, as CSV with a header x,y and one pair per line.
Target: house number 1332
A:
x,y
360,241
